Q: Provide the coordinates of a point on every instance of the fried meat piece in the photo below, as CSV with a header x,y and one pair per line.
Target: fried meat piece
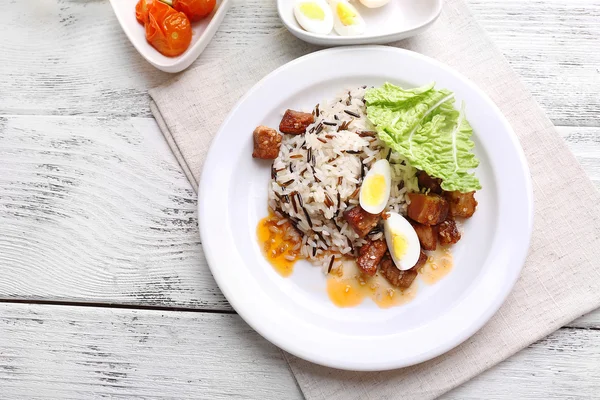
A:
x,y
428,235
266,143
448,232
401,279
427,209
361,221
295,122
370,254
427,182
461,204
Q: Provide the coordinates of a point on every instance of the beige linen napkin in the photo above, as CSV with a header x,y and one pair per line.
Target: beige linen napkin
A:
x,y
560,281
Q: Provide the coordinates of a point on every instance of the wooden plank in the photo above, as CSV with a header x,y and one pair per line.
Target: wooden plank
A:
x,y
85,353
77,61
550,45
97,210
562,366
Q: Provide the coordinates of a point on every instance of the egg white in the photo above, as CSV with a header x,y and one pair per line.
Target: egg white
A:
x,y
314,25
357,28
381,167
397,224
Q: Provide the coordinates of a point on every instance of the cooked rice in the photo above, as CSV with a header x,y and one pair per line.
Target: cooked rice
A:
x,y
317,176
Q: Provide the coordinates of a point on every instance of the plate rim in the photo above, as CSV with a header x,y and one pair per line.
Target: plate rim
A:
x,y
473,326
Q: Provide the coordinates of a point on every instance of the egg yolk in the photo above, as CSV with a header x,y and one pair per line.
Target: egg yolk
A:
x,y
345,13
374,190
312,11
399,245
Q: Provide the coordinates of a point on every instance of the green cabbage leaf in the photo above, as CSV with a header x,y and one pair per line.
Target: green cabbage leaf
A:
x,y
424,127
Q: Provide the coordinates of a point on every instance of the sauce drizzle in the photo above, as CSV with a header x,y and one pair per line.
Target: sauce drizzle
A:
x,y
278,247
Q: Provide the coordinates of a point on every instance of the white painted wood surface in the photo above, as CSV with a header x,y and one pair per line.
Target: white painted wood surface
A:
x,y
77,61
91,352
94,209
83,353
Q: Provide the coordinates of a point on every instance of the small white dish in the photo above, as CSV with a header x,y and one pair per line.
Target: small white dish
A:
x,y
202,33
295,313
396,20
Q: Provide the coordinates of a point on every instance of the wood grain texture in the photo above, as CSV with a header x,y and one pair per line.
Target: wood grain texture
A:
x,y
84,353
77,61
98,210
553,46
562,366
81,352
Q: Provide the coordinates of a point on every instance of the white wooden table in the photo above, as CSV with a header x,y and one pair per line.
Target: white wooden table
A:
x,y
104,289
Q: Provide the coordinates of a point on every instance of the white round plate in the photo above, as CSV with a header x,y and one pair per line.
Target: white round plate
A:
x,y
395,21
295,313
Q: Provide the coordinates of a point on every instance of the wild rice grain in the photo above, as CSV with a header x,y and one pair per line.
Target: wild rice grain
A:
x,y
352,113
294,203
319,128
307,217
330,264
367,134
328,201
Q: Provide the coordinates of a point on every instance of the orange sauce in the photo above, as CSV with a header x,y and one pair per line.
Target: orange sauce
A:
x,y
439,264
348,287
277,247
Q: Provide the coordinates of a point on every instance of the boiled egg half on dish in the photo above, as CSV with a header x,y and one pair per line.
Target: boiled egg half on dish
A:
x,y
402,241
376,187
314,16
346,19
401,238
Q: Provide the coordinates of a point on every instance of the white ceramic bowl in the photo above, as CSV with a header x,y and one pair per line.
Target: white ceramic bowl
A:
x,y
202,33
295,313
396,20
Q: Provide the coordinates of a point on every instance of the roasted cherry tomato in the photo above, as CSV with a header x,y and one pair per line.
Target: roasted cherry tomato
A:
x,y
141,11
195,9
167,30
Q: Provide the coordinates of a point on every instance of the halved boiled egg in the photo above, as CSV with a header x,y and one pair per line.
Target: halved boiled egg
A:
x,y
346,19
314,16
376,187
402,241
374,3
